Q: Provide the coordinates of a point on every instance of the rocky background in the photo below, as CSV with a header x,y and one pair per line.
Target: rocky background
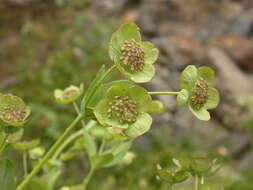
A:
x,y
216,33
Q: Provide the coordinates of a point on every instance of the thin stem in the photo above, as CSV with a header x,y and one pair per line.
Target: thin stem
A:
x,y
48,155
163,93
66,143
3,143
102,146
88,178
78,112
196,182
25,163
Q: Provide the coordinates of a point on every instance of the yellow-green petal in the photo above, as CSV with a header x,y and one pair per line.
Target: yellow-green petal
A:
x,y
118,90
151,53
213,98
127,31
143,76
207,74
201,114
141,96
188,77
141,126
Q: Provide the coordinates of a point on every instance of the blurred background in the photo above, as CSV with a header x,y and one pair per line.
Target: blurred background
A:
x,y
48,44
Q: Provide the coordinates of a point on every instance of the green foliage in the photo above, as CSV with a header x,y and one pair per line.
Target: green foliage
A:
x,y
7,175
110,115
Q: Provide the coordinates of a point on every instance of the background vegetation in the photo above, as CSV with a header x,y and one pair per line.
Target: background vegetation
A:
x,y
48,45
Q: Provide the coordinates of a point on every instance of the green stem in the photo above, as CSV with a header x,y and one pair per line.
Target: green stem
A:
x,y
163,93
101,148
51,151
88,178
66,143
3,143
196,182
78,112
25,163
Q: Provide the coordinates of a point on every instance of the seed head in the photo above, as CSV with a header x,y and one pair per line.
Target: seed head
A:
x,y
123,108
69,93
13,113
132,55
200,94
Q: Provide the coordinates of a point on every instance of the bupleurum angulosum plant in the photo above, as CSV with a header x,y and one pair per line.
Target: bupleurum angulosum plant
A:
x,y
111,115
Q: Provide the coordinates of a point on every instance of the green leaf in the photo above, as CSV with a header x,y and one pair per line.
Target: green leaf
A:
x,y
141,126
180,176
38,184
188,77
151,53
157,107
207,74
127,31
182,97
213,98
101,92
53,171
90,144
201,165
201,114
94,85
119,150
165,176
7,180
102,160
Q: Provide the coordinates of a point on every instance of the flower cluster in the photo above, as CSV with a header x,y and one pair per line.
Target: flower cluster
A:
x,y
133,57
13,111
125,107
197,91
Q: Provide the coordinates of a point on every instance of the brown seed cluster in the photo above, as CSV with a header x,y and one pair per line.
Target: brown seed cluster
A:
x,y
123,108
69,93
132,55
13,114
200,94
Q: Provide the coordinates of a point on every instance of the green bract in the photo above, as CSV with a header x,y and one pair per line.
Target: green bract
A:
x,y
197,165
197,91
26,145
13,111
171,176
126,108
133,57
68,95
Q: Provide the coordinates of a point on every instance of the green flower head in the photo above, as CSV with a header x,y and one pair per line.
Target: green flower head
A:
x,y
197,165
133,57
125,108
197,91
171,176
68,95
13,111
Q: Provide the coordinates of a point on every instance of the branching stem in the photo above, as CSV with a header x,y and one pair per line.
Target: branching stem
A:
x,y
49,154
163,93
